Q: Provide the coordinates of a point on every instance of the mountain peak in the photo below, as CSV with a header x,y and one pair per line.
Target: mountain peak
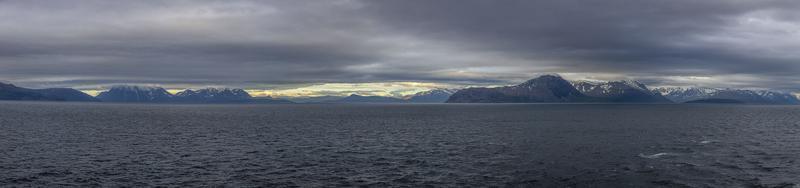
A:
x,y
135,87
545,88
619,91
134,93
554,88
634,83
545,80
546,77
550,75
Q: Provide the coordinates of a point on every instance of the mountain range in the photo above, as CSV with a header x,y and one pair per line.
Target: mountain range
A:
x,y
627,91
145,94
214,95
430,96
682,95
547,88
543,89
555,89
132,94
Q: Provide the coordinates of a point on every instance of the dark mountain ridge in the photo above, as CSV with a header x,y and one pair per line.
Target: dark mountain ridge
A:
x,y
625,91
544,89
146,94
555,89
135,94
354,98
12,92
430,96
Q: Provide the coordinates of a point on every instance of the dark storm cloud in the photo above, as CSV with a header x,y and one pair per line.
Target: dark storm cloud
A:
x,y
725,43
623,35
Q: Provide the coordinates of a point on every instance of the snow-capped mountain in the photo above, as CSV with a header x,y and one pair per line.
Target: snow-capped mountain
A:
x,y
547,88
127,93
554,88
431,96
680,94
213,95
145,94
620,91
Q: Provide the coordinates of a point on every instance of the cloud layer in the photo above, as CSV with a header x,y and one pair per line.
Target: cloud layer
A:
x,y
291,44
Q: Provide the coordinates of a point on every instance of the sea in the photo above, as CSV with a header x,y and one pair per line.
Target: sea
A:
x,y
50,144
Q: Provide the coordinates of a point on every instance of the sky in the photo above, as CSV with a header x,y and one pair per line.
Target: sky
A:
x,y
392,48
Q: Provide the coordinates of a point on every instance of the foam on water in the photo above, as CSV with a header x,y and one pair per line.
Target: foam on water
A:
x,y
657,155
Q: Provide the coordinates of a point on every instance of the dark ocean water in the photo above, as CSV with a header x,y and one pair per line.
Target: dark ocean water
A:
x,y
456,145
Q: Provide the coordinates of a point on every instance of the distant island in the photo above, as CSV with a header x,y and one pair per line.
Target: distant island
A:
x,y
543,89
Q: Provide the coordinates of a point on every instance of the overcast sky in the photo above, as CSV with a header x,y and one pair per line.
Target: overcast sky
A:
x,y
286,45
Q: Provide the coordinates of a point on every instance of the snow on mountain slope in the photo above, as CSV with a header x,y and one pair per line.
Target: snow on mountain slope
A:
x,y
619,91
129,93
431,96
681,94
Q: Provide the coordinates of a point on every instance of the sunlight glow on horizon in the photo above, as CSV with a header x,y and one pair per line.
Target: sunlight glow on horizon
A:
x,y
390,89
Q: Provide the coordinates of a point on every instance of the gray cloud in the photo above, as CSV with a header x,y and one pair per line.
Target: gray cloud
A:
x,y
252,44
